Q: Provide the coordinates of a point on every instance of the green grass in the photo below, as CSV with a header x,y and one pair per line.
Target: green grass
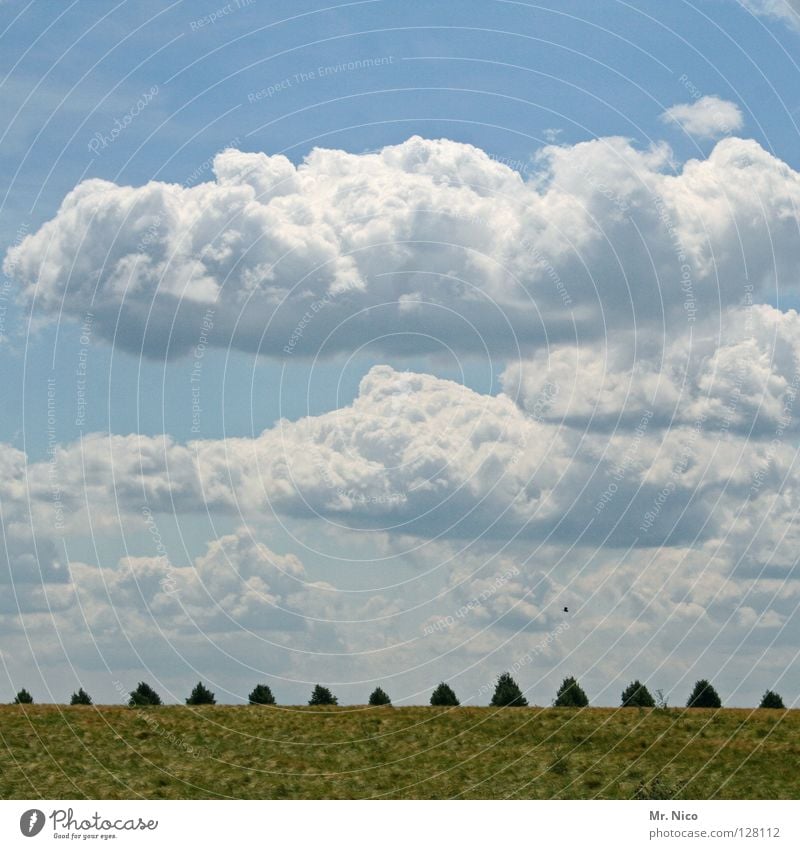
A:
x,y
51,751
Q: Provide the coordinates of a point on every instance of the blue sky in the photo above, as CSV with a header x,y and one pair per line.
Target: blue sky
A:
x,y
186,81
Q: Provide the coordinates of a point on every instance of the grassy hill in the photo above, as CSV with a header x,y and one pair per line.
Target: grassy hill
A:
x,y
51,751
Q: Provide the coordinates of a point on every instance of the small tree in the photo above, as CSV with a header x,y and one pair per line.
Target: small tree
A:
x,y
322,696
379,697
507,693
704,696
81,698
143,696
443,696
261,695
23,697
201,695
771,699
637,695
570,694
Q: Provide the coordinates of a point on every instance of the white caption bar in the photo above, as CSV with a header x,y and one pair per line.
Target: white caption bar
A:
x,y
402,824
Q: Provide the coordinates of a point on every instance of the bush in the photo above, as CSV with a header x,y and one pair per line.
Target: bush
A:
x,y
379,697
507,693
771,699
443,696
23,697
570,694
201,695
261,695
559,763
143,696
322,696
704,696
659,787
637,695
81,698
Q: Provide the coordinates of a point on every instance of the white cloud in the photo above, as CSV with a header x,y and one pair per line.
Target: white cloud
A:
x,y
425,237
742,377
787,11
411,449
427,457
708,117
237,584
29,560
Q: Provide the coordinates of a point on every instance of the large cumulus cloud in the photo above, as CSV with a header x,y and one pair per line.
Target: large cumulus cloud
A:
x,y
427,457
429,237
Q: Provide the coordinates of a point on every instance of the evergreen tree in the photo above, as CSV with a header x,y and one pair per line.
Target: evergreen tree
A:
x,y
443,696
772,700
379,697
143,696
636,694
23,697
322,696
570,694
201,695
81,698
261,695
704,696
507,693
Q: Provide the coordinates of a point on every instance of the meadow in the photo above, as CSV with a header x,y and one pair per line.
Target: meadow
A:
x,y
256,752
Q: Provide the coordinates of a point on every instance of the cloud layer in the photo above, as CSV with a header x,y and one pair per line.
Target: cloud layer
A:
x,y
674,529
639,464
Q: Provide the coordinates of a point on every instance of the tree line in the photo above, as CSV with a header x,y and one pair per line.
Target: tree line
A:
x,y
507,693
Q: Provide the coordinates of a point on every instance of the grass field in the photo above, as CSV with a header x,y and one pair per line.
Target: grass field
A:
x,y
50,751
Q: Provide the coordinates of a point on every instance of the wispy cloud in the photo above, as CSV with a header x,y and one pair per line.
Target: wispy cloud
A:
x,y
787,11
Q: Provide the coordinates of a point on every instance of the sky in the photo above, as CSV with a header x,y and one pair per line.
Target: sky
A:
x,y
352,343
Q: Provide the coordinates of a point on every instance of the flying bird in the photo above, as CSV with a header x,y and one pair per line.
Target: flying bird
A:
x,y
566,610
